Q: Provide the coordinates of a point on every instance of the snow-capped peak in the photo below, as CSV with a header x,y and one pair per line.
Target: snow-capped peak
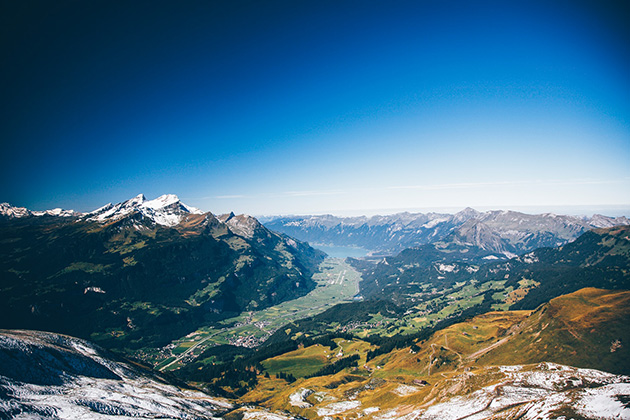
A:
x,y
11,212
162,201
8,210
56,212
166,210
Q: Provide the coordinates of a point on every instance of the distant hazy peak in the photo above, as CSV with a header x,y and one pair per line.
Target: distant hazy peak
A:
x,y
467,214
601,221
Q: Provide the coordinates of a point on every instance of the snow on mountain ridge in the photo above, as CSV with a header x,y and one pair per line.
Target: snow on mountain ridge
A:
x,y
56,212
52,376
13,212
539,392
10,211
166,210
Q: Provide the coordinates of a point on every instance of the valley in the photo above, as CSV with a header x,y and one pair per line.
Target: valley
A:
x,y
336,282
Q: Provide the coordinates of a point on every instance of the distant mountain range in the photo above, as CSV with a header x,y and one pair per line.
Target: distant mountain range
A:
x,y
166,210
142,272
500,234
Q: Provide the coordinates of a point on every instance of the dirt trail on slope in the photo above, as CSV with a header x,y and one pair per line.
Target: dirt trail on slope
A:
x,y
514,330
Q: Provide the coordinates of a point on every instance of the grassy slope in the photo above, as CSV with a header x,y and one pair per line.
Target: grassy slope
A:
x,y
575,329
301,362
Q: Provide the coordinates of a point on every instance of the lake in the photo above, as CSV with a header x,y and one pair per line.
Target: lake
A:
x,y
342,251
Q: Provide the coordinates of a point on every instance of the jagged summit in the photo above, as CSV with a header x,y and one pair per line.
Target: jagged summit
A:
x,y
242,225
225,217
166,210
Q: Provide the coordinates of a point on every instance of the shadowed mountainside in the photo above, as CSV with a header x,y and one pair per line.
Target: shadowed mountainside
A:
x,y
134,275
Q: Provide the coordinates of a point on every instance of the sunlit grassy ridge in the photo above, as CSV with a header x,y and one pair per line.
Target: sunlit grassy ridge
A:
x,y
578,329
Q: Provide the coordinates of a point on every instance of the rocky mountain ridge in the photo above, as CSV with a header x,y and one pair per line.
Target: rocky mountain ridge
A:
x,y
10,212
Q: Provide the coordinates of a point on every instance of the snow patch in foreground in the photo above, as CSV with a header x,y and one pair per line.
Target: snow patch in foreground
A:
x,y
297,398
338,407
404,390
537,394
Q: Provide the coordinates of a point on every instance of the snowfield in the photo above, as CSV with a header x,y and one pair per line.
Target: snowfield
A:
x,y
297,399
337,407
404,390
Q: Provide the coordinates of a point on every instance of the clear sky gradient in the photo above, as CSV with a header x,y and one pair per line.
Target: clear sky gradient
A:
x,y
280,107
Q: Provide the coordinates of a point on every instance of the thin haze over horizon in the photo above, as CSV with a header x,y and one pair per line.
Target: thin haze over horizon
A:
x,y
310,107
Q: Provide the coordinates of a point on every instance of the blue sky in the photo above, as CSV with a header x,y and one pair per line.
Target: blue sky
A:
x,y
303,107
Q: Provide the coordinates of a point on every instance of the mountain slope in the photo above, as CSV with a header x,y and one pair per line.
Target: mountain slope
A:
x,y
587,328
128,278
500,365
497,233
45,375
